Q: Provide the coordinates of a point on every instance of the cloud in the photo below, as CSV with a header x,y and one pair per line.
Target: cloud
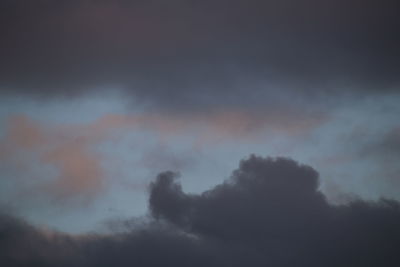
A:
x,y
29,144
385,150
80,171
187,55
69,150
212,126
390,143
269,212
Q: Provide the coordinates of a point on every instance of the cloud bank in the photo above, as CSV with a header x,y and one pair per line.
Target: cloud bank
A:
x,y
187,55
269,212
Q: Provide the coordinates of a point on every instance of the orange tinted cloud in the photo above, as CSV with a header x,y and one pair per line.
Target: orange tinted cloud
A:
x,y
69,148
79,171
236,124
24,133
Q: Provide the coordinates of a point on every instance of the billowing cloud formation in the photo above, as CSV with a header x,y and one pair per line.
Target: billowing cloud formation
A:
x,y
268,213
186,54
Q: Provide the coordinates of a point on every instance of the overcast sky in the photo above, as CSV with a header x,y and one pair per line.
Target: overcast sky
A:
x,y
233,132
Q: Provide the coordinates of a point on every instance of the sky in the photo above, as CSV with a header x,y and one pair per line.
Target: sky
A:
x,y
199,133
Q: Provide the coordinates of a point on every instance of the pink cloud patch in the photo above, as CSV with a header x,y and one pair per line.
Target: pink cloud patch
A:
x,y
27,143
70,149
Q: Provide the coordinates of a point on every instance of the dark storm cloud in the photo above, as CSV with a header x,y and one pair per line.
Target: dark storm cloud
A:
x,y
175,53
268,213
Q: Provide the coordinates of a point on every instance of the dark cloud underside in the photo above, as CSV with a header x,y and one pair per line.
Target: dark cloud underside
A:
x,y
166,52
268,213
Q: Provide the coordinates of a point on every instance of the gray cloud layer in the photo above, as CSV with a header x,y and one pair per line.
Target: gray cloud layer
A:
x,y
176,54
268,213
